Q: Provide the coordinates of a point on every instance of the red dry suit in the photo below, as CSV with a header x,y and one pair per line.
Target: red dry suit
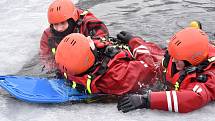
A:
x,y
126,73
191,94
87,24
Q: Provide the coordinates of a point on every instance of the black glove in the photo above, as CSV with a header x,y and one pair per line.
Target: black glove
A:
x,y
124,36
111,51
133,101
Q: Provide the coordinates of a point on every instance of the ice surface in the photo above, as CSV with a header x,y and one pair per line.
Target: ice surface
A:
x,y
23,21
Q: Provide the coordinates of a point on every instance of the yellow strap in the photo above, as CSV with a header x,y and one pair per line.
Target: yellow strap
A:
x,y
74,84
88,84
176,86
53,51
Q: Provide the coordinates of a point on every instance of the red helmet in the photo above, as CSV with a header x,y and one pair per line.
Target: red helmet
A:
x,y
189,44
74,55
61,10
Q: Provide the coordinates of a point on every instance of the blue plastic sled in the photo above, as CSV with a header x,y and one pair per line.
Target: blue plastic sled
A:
x,y
41,90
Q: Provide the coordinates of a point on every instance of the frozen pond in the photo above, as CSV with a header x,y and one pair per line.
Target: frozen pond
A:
x,y
23,21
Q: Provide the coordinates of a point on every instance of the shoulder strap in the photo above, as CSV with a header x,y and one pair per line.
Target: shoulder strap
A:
x,y
196,69
109,53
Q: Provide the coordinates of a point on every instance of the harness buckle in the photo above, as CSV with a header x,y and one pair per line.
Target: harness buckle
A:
x,y
177,85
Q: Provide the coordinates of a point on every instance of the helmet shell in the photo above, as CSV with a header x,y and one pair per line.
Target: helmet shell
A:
x,y
74,55
61,10
189,44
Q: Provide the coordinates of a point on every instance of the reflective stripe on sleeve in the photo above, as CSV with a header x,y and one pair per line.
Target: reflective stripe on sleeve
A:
x,y
140,49
145,65
169,101
175,99
195,88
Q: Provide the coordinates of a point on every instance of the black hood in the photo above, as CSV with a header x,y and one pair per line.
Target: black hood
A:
x,y
58,36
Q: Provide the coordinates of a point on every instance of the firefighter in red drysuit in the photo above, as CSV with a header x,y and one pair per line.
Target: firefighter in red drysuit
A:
x,y
114,71
65,18
190,74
